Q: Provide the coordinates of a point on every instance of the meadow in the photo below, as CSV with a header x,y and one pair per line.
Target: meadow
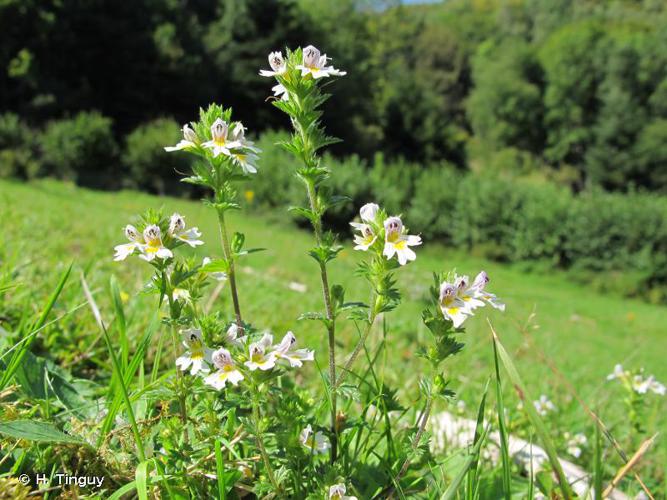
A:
x,y
555,328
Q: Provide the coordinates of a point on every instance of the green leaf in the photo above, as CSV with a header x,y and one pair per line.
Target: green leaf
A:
x,y
215,266
43,432
534,418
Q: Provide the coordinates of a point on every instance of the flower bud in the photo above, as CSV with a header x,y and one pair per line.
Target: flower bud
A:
x,y
189,134
369,211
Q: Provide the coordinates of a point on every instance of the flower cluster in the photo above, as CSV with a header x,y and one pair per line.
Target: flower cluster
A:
x,y
151,244
375,226
313,64
261,355
637,381
459,297
544,406
221,140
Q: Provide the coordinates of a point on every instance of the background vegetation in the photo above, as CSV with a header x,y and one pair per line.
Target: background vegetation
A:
x,y
553,103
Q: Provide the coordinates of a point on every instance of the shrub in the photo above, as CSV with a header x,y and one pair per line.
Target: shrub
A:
x,y
349,176
484,216
81,149
150,167
274,185
434,202
393,183
17,148
538,222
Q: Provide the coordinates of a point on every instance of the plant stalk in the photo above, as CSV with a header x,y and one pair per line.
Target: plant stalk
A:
x,y
331,322
357,349
260,445
227,251
415,442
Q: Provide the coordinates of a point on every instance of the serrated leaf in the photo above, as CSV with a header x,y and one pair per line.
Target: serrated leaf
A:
x,y
43,432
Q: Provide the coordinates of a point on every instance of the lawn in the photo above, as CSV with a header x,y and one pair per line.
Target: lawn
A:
x,y
47,225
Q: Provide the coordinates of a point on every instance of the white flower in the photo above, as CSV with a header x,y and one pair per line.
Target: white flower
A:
x,y
337,492
178,231
368,212
452,306
543,405
258,357
247,162
154,247
219,143
277,63
232,336
216,275
238,137
286,350
189,140
479,286
458,300
618,373
279,90
364,240
227,371
642,385
575,443
197,352
316,65
398,243
317,442
127,249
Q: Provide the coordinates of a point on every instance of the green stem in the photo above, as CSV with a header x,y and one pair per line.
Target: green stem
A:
x,y
357,349
415,442
260,444
226,249
331,322
181,388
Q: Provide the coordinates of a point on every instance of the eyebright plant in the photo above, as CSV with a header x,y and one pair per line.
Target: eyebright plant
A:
x,y
244,423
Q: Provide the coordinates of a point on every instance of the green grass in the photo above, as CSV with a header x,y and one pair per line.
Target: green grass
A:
x,y
47,225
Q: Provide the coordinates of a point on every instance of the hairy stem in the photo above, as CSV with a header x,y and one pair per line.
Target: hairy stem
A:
x,y
331,323
415,442
181,388
227,251
357,349
260,445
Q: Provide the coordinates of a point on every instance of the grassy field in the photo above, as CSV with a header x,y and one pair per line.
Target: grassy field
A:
x,y
47,225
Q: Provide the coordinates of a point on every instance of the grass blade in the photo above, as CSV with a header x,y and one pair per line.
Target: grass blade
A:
x,y
453,487
472,484
116,368
531,412
631,463
18,355
220,466
121,322
502,428
597,465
